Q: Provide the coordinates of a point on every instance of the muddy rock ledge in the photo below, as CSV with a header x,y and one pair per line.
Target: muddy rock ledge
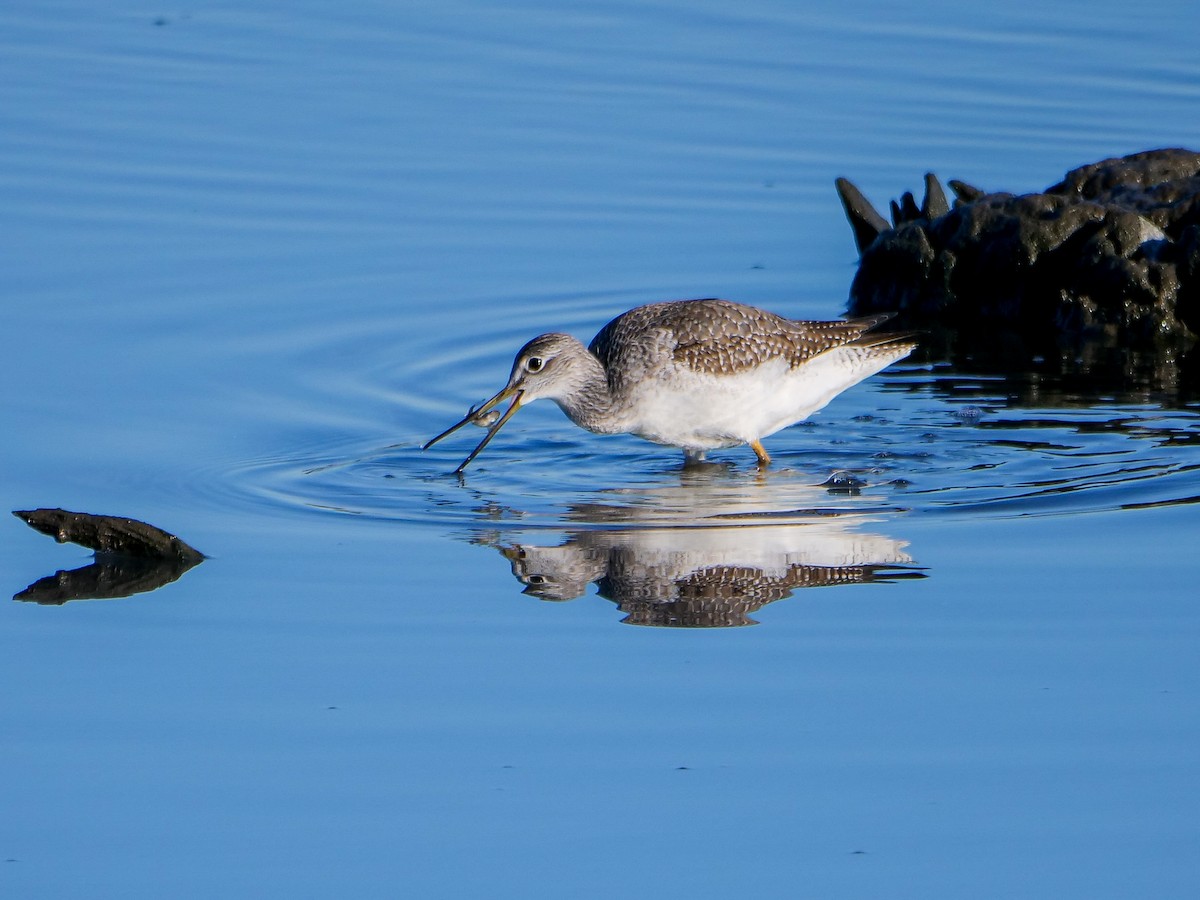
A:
x,y
1109,255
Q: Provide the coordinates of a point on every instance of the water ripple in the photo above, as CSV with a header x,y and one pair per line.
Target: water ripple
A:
x,y
343,436
920,440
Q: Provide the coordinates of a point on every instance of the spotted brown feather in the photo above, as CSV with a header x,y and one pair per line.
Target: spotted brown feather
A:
x,y
718,337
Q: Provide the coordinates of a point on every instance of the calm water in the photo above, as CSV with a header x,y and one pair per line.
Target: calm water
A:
x,y
256,254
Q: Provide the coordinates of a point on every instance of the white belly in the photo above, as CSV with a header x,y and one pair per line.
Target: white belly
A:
x,y
700,411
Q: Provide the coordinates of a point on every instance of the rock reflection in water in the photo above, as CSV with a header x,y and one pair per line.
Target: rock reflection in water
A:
x,y
1076,375
1043,445
108,578
704,577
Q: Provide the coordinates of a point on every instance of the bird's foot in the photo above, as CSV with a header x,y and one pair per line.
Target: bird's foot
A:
x,y
764,458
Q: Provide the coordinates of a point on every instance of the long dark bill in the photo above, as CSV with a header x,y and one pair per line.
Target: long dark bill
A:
x,y
471,417
508,413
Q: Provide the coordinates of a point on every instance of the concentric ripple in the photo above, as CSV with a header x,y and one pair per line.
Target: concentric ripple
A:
x,y
925,440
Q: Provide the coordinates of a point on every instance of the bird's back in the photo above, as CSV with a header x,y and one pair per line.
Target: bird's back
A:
x,y
716,337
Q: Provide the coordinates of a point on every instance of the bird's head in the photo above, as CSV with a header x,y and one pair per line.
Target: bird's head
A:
x,y
546,367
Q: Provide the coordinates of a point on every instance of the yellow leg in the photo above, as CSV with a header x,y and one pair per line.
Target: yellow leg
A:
x,y
764,458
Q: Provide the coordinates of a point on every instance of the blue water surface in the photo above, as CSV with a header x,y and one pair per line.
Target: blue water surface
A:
x,y
256,254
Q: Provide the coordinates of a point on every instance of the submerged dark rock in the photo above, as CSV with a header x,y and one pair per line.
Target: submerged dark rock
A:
x,y
1109,256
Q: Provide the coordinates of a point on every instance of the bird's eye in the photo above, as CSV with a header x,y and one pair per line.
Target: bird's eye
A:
x,y
535,363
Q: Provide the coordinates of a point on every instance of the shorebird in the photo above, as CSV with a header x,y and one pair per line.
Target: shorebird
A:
x,y
692,374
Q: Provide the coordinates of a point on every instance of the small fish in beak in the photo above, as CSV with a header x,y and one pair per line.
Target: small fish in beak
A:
x,y
483,416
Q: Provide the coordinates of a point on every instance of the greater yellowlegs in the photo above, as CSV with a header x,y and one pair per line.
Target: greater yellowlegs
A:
x,y
693,374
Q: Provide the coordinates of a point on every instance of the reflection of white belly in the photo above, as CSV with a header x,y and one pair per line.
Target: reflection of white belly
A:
x,y
696,410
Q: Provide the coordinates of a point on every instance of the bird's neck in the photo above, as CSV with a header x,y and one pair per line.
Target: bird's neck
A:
x,y
590,404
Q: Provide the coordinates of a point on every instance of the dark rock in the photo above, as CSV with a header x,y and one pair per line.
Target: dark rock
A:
x,y
1187,270
1162,170
109,534
965,192
936,203
1110,254
864,220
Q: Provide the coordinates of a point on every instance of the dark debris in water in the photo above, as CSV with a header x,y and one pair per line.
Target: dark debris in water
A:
x,y
844,483
132,557
109,534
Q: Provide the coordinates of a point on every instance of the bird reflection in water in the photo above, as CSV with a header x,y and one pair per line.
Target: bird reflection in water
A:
x,y
704,577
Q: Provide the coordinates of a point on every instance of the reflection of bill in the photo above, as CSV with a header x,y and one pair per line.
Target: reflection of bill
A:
x,y
705,577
